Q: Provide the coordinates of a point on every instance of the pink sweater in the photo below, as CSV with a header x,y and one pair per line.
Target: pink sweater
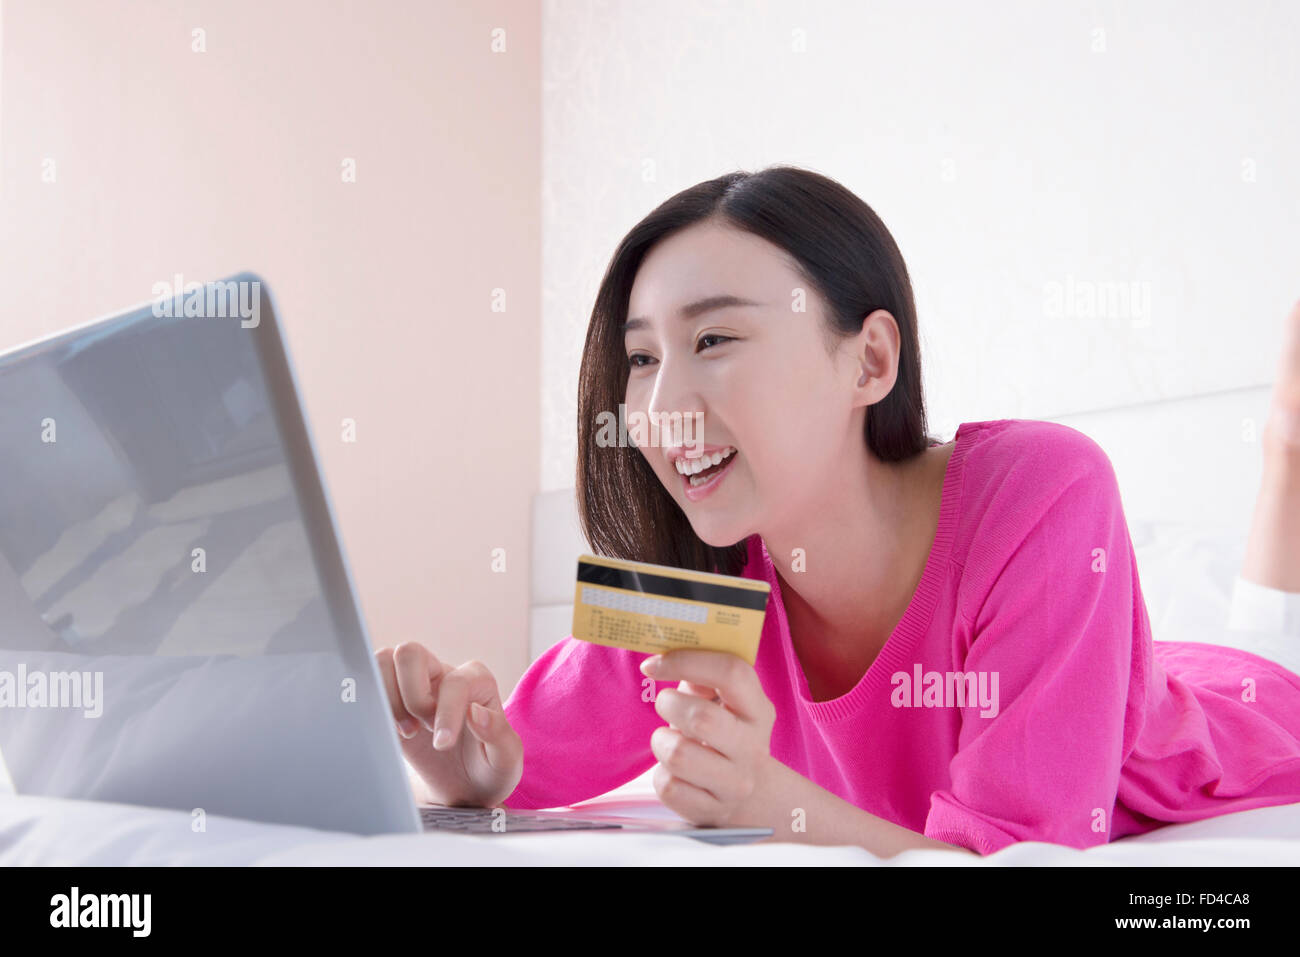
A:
x,y
1085,730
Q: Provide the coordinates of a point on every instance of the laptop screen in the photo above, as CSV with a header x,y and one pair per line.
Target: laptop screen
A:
x,y
166,637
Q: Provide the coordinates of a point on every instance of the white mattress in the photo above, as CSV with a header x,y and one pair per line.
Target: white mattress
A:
x,y
50,831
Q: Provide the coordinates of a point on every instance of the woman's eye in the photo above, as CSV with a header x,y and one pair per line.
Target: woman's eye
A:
x,y
632,363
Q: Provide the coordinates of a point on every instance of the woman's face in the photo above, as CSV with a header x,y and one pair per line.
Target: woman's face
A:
x,y
758,375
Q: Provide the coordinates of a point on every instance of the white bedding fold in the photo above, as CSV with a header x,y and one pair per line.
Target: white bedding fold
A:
x,y
54,831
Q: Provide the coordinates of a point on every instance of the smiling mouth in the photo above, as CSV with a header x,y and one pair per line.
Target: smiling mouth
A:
x,y
702,483
703,475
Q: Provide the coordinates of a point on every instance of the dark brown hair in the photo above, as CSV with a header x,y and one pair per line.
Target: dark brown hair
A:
x,y
842,250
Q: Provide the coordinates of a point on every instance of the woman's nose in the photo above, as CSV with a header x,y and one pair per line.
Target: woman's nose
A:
x,y
675,406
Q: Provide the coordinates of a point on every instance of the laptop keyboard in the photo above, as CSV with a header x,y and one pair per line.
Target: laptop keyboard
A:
x,y
478,820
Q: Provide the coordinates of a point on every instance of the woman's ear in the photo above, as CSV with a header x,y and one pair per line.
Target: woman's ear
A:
x,y
877,347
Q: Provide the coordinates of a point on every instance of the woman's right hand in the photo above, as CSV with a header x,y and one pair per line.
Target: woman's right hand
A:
x,y
474,766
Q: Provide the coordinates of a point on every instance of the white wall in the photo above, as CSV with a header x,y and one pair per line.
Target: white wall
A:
x,y
1008,146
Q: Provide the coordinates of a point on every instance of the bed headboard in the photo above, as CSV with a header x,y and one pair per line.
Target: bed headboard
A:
x,y
1188,472
1194,459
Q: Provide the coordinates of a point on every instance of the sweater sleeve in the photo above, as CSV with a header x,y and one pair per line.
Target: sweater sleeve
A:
x,y
585,714
1058,635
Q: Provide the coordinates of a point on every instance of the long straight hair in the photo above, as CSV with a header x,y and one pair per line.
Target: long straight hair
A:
x,y
840,248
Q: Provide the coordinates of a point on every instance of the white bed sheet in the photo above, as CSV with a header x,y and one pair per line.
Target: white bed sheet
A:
x,y
52,831
1187,577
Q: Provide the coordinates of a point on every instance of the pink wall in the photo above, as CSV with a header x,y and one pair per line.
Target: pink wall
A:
x,y
168,160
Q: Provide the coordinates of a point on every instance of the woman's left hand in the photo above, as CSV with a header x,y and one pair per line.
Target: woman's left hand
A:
x,y
715,761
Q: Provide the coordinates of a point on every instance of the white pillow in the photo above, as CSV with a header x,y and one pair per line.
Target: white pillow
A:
x,y
1190,577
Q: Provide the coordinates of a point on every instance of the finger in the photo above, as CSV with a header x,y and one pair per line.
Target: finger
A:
x,y
708,722
418,674
693,803
501,745
703,691
401,717
732,677
695,763
470,682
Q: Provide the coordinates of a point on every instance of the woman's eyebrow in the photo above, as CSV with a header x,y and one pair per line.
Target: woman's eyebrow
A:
x,y
693,309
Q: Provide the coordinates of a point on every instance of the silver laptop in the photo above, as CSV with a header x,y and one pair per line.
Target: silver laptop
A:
x,y
178,623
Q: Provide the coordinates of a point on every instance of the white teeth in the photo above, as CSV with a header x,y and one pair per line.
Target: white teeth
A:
x,y
699,465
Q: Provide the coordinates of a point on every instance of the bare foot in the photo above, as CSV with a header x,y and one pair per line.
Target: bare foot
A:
x,y
1282,430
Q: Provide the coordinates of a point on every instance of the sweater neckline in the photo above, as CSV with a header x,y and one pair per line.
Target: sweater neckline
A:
x,y
894,654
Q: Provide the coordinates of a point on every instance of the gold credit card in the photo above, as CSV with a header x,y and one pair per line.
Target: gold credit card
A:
x,y
658,608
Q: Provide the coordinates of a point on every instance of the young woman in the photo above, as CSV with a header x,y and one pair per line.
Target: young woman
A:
x,y
777,306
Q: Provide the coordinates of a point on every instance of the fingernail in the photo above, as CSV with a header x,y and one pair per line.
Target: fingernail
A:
x,y
480,715
409,726
650,666
441,738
